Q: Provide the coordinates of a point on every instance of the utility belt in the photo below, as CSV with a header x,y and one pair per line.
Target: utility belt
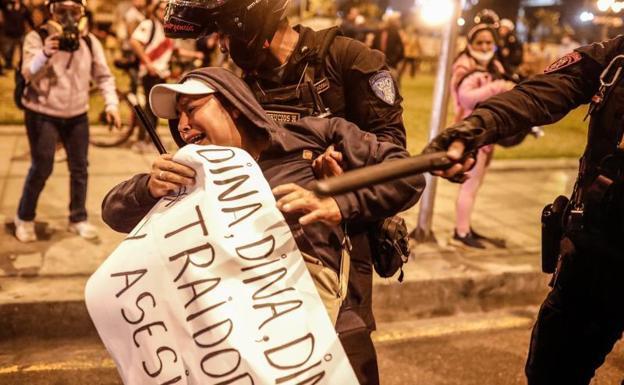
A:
x,y
598,207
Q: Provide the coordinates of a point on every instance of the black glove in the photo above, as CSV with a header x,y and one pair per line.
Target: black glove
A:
x,y
468,133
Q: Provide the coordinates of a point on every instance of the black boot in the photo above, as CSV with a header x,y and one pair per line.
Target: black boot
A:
x,y
469,240
496,242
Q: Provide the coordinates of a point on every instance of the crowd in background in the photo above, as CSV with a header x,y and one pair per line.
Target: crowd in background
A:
x,y
408,48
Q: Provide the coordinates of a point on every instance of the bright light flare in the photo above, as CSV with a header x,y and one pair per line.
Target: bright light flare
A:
x,y
586,17
435,12
603,5
461,22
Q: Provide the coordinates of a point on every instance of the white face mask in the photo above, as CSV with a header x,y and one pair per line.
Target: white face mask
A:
x,y
481,57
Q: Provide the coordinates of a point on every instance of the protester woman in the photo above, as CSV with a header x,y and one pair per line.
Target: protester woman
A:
x,y
477,75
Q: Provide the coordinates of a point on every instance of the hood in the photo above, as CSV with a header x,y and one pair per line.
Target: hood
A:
x,y
236,91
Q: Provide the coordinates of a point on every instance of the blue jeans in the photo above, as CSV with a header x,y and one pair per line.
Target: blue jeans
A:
x,y
43,134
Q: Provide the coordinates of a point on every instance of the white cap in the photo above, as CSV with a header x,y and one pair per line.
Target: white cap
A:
x,y
163,97
507,24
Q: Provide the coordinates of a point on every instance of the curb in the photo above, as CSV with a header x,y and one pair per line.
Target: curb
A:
x,y
392,302
444,297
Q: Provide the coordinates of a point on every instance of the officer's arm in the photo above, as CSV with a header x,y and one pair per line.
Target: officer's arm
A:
x,y
127,203
359,149
373,101
542,99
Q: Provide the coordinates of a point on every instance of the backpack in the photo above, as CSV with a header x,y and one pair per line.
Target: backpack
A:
x,y
20,82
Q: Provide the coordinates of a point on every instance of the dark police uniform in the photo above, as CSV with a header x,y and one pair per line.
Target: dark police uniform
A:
x,y
352,81
583,316
331,75
348,80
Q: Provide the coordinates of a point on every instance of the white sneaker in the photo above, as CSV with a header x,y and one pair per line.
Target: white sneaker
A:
x,y
25,230
84,229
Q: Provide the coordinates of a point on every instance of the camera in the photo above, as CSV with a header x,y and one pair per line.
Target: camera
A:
x,y
70,39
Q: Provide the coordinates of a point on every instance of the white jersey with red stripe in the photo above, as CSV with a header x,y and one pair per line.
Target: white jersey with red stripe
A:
x,y
159,49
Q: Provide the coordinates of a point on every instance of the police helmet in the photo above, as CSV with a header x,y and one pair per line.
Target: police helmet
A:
x,y
240,18
249,24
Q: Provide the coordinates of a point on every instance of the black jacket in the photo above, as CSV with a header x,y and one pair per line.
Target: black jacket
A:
x,y
351,67
288,160
566,84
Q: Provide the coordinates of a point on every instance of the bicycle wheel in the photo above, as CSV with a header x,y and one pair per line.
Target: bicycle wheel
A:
x,y
111,136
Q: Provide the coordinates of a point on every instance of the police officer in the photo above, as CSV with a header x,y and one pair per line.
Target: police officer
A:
x,y
297,72
582,317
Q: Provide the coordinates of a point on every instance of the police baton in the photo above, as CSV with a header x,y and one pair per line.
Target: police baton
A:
x,y
138,111
383,172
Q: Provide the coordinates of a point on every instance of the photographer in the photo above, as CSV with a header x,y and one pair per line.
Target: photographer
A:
x,y
59,61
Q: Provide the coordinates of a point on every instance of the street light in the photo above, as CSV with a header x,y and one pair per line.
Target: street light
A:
x,y
586,16
436,12
603,5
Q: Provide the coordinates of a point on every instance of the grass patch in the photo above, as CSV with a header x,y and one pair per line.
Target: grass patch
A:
x,y
564,139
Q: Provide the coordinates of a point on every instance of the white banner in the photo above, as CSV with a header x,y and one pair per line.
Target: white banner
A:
x,y
210,288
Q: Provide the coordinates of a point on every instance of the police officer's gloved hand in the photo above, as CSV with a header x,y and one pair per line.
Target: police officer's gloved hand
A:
x,y
469,133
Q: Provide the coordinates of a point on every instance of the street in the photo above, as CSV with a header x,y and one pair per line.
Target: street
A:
x,y
484,348
464,350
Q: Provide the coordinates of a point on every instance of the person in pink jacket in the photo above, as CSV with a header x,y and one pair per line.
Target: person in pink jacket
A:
x,y
477,75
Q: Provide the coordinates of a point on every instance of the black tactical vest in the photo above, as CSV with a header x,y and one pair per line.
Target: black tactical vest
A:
x,y
301,96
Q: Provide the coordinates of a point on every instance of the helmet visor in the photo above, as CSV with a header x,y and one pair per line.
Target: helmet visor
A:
x,y
186,19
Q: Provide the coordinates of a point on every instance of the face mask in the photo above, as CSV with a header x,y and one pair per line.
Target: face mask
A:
x,y
481,57
70,26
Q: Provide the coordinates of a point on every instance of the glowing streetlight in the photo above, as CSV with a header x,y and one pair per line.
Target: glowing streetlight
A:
x,y
603,5
586,16
436,12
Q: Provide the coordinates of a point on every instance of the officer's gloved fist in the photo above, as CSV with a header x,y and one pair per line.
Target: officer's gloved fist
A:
x,y
461,142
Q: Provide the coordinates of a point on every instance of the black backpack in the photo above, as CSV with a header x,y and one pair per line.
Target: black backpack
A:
x,y
20,81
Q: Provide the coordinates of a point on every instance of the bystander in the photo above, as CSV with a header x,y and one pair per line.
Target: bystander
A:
x,y
58,66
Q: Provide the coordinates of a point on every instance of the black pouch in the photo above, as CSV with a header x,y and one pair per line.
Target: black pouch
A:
x,y
390,246
552,232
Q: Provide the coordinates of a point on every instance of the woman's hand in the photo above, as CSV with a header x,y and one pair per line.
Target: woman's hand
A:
x,y
51,45
297,199
168,176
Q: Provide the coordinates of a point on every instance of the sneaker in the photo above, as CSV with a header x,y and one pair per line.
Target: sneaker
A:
x,y
468,240
25,230
496,242
84,229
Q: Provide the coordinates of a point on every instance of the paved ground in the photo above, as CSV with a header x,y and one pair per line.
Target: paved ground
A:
x,y
472,350
469,349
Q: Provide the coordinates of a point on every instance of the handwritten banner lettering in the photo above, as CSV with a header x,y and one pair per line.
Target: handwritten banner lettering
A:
x,y
210,288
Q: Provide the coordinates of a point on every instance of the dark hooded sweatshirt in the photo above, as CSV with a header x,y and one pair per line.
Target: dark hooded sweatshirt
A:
x,y
288,159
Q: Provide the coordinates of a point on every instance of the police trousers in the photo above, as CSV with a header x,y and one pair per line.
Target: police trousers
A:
x,y
361,354
582,317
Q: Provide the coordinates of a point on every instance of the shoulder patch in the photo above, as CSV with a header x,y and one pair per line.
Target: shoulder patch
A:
x,y
382,85
564,61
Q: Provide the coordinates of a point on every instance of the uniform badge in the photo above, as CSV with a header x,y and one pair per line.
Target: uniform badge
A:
x,y
383,86
564,61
